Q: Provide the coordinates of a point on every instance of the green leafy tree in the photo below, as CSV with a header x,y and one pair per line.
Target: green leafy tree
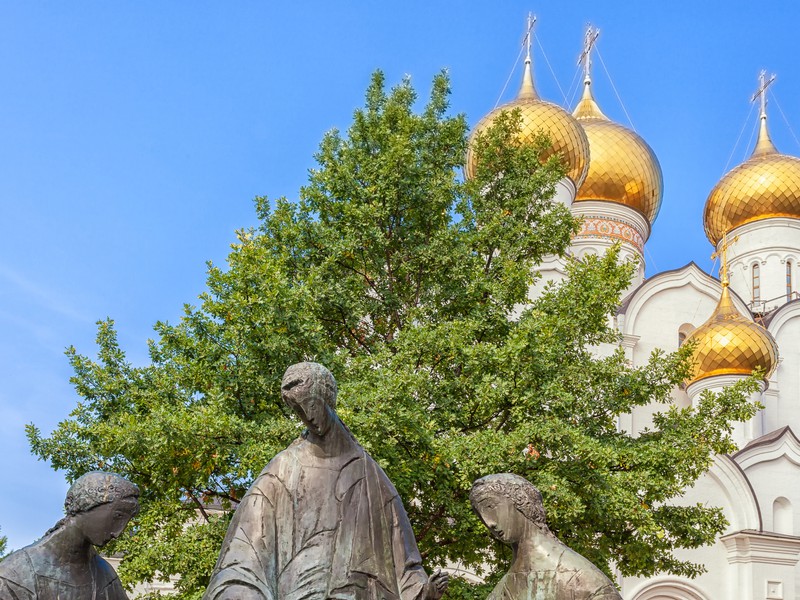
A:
x,y
3,544
402,279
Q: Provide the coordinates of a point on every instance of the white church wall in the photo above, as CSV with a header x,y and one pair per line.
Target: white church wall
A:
x,y
659,314
565,192
607,223
769,482
582,246
658,321
769,243
552,269
769,464
743,432
725,486
764,565
782,400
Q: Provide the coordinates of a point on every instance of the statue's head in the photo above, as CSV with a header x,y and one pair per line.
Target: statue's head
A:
x,y
101,504
309,389
508,505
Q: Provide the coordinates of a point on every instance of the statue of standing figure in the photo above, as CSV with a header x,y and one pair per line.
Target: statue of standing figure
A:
x,y
322,520
64,564
541,567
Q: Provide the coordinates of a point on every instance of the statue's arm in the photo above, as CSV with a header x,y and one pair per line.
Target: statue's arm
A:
x,y
437,585
10,590
107,580
247,566
16,578
413,581
239,592
607,593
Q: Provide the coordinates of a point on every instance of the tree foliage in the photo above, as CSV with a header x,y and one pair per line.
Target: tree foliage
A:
x,y
3,544
401,278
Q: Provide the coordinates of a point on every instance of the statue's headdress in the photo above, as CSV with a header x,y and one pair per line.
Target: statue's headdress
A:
x,y
97,488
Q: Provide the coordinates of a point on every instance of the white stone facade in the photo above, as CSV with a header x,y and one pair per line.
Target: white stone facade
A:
x,y
763,266
606,223
758,488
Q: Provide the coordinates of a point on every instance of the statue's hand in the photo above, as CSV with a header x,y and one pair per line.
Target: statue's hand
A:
x,y
437,585
239,592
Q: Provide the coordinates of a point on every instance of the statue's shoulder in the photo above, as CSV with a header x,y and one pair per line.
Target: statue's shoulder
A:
x,y
584,574
17,576
280,471
366,466
500,591
106,578
283,459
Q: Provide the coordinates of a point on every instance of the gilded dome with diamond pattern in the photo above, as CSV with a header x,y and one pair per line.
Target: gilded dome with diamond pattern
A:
x,y
567,137
623,168
766,185
730,344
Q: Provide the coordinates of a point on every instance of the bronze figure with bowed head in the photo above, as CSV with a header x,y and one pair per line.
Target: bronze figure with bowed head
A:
x,y
322,521
541,566
64,564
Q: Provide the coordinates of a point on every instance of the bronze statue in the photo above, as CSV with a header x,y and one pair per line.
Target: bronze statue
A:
x,y
542,567
64,565
322,520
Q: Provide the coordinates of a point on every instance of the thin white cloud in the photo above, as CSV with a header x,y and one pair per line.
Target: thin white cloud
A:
x,y
43,296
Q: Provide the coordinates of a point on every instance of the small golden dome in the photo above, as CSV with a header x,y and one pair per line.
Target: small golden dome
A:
x,y
766,185
730,344
623,168
538,116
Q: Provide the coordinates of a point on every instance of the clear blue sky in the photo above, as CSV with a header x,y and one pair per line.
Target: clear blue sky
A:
x,y
133,137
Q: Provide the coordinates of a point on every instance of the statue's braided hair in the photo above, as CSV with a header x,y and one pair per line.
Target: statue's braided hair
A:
x,y
521,492
320,376
96,488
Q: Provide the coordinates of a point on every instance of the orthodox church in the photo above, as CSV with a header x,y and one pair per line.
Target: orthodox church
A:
x,y
748,320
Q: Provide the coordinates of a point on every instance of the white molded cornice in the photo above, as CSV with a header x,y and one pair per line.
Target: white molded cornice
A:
x,y
769,447
751,546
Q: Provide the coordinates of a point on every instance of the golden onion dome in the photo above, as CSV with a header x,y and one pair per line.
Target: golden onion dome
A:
x,y
764,186
538,116
623,169
730,344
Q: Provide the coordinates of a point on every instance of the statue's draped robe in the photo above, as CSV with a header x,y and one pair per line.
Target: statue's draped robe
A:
x,y
33,573
312,528
570,577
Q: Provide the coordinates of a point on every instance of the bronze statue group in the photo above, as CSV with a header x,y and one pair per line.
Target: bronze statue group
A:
x,y
322,521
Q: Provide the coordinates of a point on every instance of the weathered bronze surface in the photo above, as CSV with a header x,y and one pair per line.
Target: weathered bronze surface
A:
x,y
542,567
64,564
322,520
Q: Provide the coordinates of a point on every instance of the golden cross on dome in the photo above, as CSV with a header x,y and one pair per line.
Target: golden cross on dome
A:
x,y
585,59
722,253
529,35
761,92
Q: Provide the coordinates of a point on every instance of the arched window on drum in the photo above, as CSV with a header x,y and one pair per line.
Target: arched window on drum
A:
x,y
756,278
782,516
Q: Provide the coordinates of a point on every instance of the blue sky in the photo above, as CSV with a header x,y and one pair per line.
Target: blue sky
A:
x,y
133,137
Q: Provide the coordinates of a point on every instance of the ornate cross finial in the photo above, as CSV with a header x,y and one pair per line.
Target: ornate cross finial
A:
x,y
761,92
585,59
722,253
529,36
